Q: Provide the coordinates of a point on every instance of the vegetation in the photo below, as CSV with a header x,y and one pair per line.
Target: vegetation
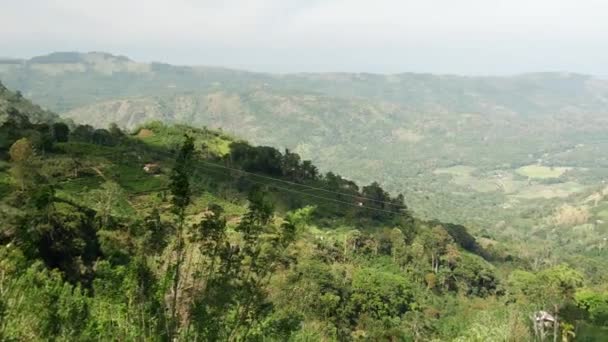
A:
x,y
238,242
531,142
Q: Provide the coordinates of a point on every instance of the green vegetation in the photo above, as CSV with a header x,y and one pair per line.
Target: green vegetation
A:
x,y
395,129
537,171
229,241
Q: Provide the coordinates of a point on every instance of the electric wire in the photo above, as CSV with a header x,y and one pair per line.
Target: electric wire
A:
x,y
315,196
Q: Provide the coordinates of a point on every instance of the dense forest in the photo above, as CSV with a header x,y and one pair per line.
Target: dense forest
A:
x,y
173,232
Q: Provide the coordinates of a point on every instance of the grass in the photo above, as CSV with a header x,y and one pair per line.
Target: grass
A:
x,y
134,179
201,201
81,184
541,172
462,175
158,135
601,211
123,164
603,215
88,150
560,190
457,170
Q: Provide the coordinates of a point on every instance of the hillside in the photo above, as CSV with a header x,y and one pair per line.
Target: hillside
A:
x,y
458,148
14,101
221,239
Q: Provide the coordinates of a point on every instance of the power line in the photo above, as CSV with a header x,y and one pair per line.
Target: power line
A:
x,y
303,185
359,206
358,197
284,189
316,196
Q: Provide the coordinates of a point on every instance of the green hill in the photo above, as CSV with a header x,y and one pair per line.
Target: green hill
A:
x,y
223,240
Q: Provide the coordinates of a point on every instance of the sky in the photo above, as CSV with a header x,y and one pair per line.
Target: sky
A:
x,y
472,37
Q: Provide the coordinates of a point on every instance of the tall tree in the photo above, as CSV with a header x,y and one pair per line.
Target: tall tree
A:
x,y
61,132
180,189
21,153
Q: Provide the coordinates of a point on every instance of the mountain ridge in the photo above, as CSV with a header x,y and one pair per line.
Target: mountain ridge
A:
x,y
81,56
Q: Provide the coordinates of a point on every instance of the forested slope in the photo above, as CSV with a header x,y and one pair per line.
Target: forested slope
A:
x,y
220,239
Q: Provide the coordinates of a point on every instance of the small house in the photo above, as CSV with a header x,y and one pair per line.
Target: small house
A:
x,y
152,168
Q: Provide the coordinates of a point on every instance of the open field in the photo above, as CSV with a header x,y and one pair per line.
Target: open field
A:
x,y
560,190
541,172
505,181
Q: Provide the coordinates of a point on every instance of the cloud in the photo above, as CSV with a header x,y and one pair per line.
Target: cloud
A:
x,y
486,36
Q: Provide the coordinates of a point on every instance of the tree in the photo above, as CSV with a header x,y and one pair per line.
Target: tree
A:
x,y
216,274
21,150
376,197
179,179
291,165
64,239
102,137
156,232
461,236
595,304
398,246
262,249
549,289
376,194
256,159
115,131
42,139
44,306
82,133
61,132
109,201
435,242
180,189
309,171
381,295
21,153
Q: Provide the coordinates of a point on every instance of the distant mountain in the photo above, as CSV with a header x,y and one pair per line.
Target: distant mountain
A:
x,y
84,78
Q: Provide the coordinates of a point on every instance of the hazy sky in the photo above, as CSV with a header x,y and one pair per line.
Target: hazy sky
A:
x,y
441,36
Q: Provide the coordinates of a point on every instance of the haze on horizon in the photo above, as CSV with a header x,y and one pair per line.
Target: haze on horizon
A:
x,y
385,36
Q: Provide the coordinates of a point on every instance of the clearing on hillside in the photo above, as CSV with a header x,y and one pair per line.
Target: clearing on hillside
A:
x,y
538,171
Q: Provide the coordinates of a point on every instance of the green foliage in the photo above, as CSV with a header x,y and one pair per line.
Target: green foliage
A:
x,y
180,185
21,153
475,276
549,287
595,303
61,132
380,295
40,305
497,325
